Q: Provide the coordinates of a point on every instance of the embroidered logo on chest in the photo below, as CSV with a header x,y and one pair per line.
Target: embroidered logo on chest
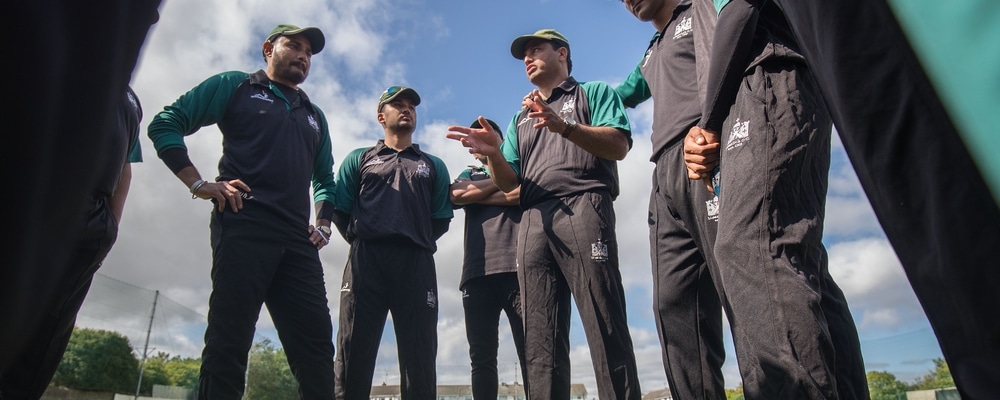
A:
x,y
569,106
313,123
423,170
262,96
683,28
373,162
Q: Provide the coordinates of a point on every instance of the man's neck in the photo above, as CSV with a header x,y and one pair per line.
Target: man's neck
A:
x,y
546,86
274,78
398,140
662,18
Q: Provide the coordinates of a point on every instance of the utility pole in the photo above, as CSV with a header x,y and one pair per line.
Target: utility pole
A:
x,y
145,348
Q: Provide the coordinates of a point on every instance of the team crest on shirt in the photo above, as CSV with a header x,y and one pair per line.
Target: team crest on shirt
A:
x,y
423,170
683,28
739,135
569,106
431,299
262,96
599,251
313,123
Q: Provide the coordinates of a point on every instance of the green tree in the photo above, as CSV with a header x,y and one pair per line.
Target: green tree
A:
x,y
938,378
884,386
154,372
268,374
98,360
735,394
183,372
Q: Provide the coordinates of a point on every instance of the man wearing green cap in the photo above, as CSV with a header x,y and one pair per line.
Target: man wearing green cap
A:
x,y
561,148
489,269
276,146
391,206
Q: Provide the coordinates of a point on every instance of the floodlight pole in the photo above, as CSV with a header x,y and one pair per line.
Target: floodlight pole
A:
x,y
145,348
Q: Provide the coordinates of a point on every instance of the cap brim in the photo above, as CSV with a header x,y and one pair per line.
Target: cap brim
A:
x,y
406,92
517,46
313,34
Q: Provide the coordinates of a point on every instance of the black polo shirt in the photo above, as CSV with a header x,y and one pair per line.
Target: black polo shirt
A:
x,y
550,166
668,74
490,234
393,194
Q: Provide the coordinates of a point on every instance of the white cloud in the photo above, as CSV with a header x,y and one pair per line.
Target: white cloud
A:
x,y
876,288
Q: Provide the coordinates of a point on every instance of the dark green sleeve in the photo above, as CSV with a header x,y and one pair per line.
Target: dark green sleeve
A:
x,y
322,177
347,183
135,153
634,90
509,145
606,108
203,105
441,203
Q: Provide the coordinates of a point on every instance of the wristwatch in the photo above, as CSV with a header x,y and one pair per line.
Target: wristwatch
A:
x,y
325,229
570,126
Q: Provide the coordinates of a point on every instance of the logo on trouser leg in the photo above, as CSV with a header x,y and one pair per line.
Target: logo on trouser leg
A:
x,y
599,251
346,287
431,299
713,209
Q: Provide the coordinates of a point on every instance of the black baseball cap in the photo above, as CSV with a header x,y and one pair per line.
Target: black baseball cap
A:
x,y
476,125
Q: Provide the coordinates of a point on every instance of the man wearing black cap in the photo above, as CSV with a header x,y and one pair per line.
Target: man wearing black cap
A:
x,y
276,146
489,271
391,206
561,148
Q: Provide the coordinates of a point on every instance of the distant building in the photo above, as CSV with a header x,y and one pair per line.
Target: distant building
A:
x,y
934,394
506,391
662,394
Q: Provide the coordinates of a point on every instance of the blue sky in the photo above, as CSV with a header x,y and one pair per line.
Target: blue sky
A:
x,y
456,55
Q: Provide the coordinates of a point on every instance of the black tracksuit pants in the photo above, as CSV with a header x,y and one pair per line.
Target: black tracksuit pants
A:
x,y
568,246
794,335
483,299
394,276
36,363
687,305
933,203
256,262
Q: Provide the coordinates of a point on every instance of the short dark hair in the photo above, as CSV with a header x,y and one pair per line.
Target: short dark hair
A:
x,y
558,44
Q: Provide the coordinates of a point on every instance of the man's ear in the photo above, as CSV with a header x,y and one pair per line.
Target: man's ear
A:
x,y
381,119
268,49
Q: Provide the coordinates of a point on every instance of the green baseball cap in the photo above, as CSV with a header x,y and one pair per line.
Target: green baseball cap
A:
x,y
315,36
517,47
395,91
